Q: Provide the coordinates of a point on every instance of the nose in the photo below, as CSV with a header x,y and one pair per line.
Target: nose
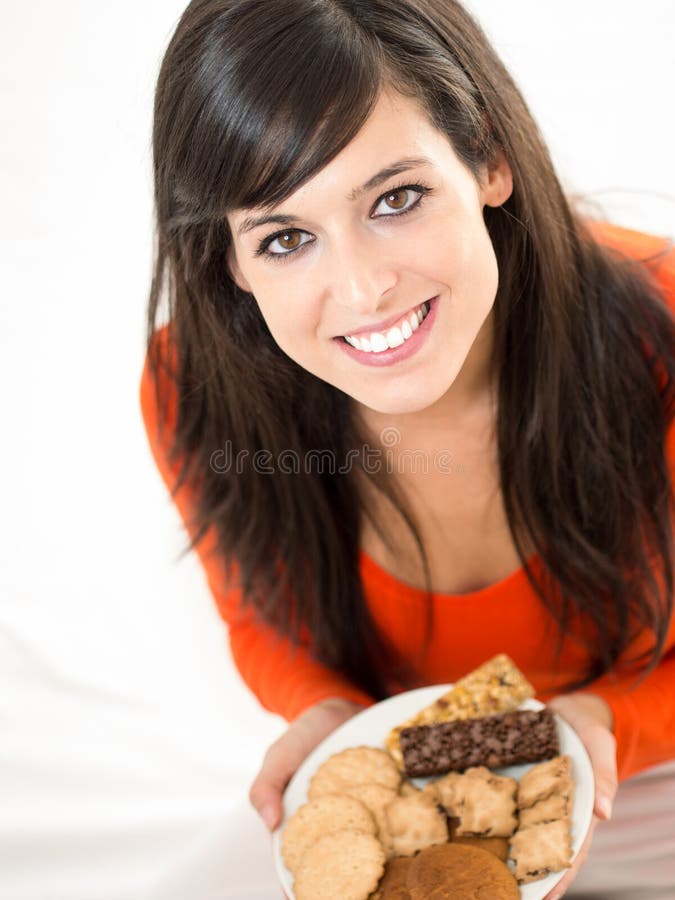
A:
x,y
362,277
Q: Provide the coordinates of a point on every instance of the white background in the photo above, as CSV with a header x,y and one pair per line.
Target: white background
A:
x,y
127,742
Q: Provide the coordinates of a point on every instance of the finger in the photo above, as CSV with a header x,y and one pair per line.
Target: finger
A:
x,y
267,790
563,885
601,746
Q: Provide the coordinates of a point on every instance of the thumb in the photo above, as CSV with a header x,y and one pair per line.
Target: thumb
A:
x,y
589,716
267,790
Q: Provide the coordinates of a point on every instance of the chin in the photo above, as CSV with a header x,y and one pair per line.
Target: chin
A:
x,y
397,405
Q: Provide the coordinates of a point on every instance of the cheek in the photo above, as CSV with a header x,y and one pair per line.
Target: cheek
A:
x,y
293,318
471,268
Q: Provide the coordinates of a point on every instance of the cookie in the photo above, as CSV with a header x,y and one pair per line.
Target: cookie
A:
x,y
484,804
540,782
494,687
408,789
415,822
550,809
345,865
497,845
313,820
394,883
541,849
521,736
356,765
459,872
375,797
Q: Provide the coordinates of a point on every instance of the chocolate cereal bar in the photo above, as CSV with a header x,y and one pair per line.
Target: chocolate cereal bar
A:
x,y
515,737
495,687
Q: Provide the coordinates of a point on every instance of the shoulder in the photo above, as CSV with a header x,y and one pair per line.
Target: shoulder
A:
x,y
656,253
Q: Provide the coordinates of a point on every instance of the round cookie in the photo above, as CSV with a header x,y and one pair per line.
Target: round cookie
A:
x,y
346,865
313,820
394,884
356,765
460,872
375,797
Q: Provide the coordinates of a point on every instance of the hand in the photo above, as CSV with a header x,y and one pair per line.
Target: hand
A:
x,y
591,718
285,755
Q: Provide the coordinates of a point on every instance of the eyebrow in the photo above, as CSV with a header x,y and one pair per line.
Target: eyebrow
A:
x,y
396,168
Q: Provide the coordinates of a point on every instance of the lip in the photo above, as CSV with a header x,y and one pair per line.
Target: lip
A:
x,y
382,326
395,354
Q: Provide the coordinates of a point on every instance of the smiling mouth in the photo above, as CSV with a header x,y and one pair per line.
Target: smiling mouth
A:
x,y
395,336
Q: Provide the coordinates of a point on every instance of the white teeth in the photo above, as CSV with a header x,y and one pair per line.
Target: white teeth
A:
x,y
378,342
394,337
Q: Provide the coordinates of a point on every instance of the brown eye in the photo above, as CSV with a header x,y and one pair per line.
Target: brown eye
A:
x,y
400,200
397,199
290,240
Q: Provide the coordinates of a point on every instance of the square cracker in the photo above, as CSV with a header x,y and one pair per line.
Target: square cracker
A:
x,y
552,808
541,849
551,777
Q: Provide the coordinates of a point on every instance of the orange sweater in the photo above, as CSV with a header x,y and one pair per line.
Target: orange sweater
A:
x,y
468,628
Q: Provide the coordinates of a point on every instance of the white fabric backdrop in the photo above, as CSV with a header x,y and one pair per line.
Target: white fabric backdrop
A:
x,y
127,742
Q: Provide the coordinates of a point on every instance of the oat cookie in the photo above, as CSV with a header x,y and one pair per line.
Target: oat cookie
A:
x,y
313,820
545,779
415,822
345,865
458,872
356,765
541,849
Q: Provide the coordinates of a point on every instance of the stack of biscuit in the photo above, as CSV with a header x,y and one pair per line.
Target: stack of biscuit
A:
x,y
542,843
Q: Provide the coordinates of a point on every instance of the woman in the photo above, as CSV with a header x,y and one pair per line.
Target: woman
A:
x,y
369,262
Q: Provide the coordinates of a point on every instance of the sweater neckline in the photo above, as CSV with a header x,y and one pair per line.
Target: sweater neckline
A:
x,y
383,576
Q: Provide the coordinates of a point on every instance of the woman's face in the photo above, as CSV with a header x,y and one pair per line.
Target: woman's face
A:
x,y
393,222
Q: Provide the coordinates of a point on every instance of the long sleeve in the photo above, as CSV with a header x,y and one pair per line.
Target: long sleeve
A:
x,y
284,677
644,715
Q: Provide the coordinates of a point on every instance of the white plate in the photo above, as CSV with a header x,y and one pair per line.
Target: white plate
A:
x,y
370,728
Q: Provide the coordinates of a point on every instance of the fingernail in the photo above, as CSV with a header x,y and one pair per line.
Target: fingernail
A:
x,y
269,815
605,807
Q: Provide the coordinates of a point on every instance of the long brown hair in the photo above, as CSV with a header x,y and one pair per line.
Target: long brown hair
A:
x,y
253,99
